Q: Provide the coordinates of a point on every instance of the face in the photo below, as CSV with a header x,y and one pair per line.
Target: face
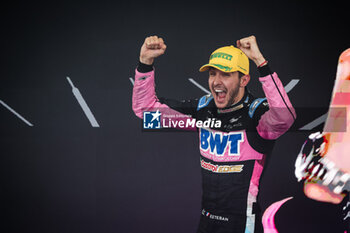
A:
x,y
226,88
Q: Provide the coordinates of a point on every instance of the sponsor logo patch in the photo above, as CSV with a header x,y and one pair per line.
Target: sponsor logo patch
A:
x,y
221,55
222,168
217,143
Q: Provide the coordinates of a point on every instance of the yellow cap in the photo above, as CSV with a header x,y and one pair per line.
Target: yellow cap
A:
x,y
228,59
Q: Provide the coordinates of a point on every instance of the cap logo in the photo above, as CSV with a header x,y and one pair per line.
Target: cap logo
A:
x,y
221,55
226,68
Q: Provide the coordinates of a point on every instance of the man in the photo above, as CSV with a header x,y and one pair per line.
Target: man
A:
x,y
232,153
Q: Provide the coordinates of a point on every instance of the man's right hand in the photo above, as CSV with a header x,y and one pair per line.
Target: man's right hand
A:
x,y
152,47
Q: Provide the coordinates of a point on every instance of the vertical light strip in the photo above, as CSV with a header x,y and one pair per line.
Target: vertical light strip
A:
x,y
83,104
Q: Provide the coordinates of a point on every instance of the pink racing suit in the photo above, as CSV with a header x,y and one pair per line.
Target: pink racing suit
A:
x,y
232,156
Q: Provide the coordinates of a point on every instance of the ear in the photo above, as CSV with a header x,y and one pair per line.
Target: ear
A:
x,y
244,80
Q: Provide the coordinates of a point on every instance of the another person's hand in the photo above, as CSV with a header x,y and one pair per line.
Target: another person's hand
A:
x,y
152,47
249,46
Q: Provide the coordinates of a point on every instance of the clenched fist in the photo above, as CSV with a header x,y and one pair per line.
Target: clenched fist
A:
x,y
249,46
152,47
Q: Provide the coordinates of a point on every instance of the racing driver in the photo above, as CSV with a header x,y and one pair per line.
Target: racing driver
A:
x,y
232,154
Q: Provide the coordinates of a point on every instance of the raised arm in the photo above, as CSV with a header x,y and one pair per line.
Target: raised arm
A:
x,y
281,114
144,96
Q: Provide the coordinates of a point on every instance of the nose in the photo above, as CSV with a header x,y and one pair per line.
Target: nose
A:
x,y
216,79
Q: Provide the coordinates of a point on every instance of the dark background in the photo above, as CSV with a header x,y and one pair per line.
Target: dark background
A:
x,y
62,175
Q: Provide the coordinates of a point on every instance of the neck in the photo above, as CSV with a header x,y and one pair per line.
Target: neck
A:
x,y
237,100
239,97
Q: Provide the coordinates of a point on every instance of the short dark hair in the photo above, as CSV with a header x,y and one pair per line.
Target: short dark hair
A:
x,y
240,74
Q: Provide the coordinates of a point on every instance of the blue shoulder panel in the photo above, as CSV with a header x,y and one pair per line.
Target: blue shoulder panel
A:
x,y
254,105
204,101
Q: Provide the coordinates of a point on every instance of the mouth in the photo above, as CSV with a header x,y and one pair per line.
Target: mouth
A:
x,y
220,95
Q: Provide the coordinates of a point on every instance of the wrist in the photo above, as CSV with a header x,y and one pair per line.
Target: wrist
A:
x,y
264,63
147,61
264,70
144,68
259,60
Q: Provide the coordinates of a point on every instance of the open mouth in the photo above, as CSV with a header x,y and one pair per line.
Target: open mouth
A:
x,y
220,95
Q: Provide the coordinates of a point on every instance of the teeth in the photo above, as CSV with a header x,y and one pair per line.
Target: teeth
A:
x,y
219,91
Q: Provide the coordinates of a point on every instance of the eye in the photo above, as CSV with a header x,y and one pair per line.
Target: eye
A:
x,y
226,74
212,73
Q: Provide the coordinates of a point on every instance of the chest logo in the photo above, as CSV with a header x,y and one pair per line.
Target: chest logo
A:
x,y
218,143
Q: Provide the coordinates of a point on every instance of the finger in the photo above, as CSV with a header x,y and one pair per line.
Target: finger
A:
x,y
248,38
252,38
163,48
154,39
148,41
158,42
245,42
151,42
162,44
238,44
